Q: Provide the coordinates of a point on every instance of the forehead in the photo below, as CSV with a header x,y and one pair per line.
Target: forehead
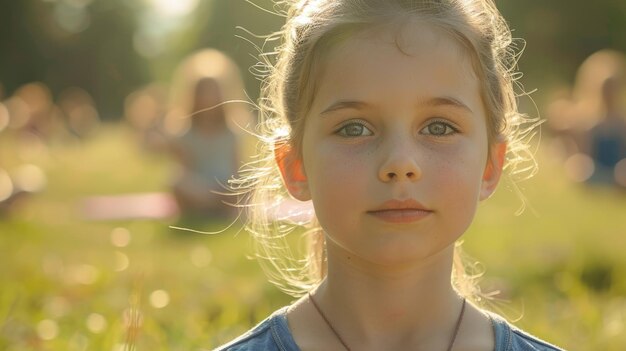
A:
x,y
411,57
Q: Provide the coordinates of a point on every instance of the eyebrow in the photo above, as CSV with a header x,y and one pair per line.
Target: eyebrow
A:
x,y
434,102
448,101
344,104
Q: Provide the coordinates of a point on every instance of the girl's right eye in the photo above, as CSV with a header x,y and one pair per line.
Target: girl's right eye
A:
x,y
354,129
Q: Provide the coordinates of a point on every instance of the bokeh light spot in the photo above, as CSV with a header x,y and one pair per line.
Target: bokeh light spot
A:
x,y
620,172
147,45
159,298
174,8
30,178
47,329
6,185
120,237
96,323
73,19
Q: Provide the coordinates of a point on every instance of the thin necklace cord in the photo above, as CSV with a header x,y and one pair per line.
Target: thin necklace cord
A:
x,y
457,326
319,310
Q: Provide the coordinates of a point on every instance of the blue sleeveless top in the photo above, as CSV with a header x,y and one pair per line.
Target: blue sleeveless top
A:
x,y
273,334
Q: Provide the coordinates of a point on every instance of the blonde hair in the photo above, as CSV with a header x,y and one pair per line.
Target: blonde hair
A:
x,y
312,28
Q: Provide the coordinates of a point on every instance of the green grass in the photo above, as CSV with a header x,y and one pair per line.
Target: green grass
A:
x,y
64,285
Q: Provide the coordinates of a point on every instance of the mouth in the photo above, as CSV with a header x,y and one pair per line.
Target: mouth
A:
x,y
401,211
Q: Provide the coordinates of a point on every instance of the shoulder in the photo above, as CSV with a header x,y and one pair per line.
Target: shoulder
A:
x,y
511,338
272,334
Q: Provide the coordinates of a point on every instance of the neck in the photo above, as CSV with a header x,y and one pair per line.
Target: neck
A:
x,y
412,300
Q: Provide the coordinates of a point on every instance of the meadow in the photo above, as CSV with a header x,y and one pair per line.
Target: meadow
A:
x,y
72,284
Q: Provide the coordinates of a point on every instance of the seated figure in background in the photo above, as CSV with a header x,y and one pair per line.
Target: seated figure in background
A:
x,y
206,117
207,154
588,125
607,139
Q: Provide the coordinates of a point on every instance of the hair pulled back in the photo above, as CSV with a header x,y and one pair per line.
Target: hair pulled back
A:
x,y
290,74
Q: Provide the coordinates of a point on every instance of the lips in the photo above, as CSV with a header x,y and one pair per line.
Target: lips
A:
x,y
401,211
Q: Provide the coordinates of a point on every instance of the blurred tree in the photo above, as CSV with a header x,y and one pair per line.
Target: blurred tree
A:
x,y
560,34
227,25
84,43
94,44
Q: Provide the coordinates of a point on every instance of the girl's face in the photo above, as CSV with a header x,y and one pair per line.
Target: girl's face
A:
x,y
395,152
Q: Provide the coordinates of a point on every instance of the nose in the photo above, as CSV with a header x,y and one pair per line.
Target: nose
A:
x,y
400,164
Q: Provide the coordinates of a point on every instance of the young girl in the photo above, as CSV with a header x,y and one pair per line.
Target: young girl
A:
x,y
394,118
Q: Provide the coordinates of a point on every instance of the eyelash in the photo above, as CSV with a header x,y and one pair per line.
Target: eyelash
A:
x,y
342,129
449,129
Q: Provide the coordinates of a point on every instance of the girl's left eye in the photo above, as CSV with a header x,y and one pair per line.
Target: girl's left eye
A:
x,y
439,128
354,129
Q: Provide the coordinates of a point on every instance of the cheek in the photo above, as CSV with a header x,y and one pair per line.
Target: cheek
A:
x,y
338,179
458,182
335,173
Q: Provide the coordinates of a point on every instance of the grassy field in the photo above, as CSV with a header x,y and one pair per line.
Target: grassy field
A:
x,y
71,284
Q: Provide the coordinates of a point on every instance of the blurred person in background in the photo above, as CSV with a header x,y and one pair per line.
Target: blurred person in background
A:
x,y
34,115
6,183
206,118
145,110
28,124
4,112
7,194
576,118
607,139
79,112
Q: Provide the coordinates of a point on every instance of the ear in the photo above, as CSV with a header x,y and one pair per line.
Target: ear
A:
x,y
493,170
292,171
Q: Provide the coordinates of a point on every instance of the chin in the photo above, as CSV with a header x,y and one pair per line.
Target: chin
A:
x,y
403,254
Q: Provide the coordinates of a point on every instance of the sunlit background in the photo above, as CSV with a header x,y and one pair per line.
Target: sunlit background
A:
x,y
93,99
